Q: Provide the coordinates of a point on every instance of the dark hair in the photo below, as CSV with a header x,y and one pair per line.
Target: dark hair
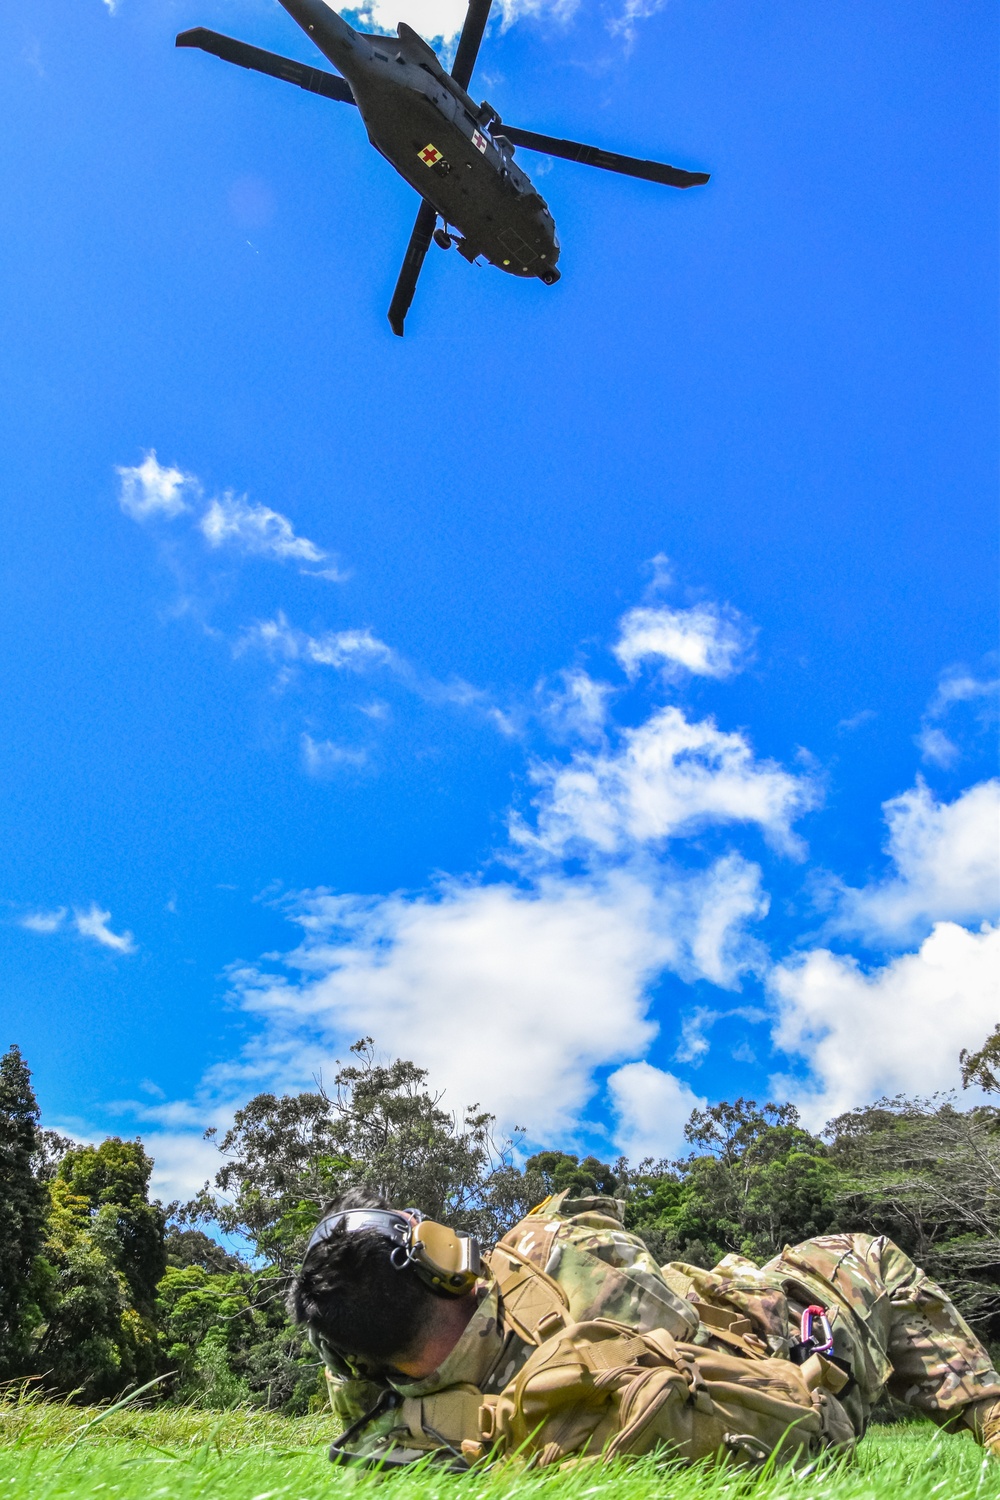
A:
x,y
350,1294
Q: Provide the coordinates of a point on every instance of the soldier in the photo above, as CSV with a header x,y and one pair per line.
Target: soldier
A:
x,y
569,1343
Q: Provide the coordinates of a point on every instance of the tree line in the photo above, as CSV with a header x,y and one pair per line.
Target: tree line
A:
x,y
102,1290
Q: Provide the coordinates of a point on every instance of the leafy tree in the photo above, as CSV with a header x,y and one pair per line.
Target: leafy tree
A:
x,y
928,1175
983,1066
95,1280
114,1179
227,1337
380,1128
755,1182
24,1203
555,1171
192,1247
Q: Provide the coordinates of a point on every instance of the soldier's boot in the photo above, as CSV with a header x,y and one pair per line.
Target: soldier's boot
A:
x,y
984,1419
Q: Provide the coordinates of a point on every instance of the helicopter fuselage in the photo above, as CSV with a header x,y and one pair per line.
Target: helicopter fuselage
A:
x,y
427,127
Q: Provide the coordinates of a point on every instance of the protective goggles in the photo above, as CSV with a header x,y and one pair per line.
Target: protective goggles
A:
x,y
446,1260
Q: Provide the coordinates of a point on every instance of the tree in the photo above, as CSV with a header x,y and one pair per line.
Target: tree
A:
x,y
983,1066
928,1175
24,1202
755,1182
192,1247
557,1171
96,1277
379,1128
114,1179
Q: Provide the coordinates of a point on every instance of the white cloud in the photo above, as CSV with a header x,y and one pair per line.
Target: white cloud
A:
x,y
936,748
707,640
625,23
44,921
670,778
947,866
956,685
898,1028
651,1109
232,521
694,1044
152,489
434,19
442,20
510,996
323,756
578,708
93,923
517,10
182,1162
353,650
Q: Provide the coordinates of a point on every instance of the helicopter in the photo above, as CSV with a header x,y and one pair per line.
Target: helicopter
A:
x,y
458,155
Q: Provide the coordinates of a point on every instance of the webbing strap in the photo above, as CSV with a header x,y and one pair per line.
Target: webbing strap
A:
x,y
534,1305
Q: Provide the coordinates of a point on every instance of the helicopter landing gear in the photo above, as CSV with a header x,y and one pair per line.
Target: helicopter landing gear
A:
x,y
443,238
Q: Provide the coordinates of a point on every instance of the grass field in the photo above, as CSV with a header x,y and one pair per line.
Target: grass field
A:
x,y
55,1452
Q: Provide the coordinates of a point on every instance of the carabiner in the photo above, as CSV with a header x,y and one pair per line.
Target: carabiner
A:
x,y
809,1317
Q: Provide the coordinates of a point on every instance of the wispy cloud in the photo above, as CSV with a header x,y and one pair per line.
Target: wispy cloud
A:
x,y
667,778
357,650
321,757
44,921
708,640
256,530
93,923
153,490
945,859
957,685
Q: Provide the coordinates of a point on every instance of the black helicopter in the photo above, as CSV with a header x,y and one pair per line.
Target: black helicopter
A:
x,y
458,155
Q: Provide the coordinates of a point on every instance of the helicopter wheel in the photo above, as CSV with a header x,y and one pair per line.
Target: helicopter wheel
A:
x,y
442,238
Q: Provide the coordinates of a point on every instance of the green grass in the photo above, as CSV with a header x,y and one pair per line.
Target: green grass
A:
x,y
52,1451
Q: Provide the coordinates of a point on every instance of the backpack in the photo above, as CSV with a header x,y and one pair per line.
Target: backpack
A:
x,y
600,1390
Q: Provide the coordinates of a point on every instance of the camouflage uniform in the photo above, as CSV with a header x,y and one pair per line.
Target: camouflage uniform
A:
x,y
892,1325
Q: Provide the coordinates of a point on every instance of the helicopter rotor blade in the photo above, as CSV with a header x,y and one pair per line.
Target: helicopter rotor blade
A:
x,y
316,80
420,242
594,156
470,41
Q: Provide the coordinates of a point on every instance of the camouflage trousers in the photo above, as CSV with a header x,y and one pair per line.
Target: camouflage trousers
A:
x,y
898,1328
894,1326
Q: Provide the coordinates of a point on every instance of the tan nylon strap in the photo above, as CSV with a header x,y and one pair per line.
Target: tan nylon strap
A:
x,y
610,1354
534,1304
452,1414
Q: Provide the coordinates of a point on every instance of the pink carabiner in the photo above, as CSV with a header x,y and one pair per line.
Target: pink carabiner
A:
x,y
810,1315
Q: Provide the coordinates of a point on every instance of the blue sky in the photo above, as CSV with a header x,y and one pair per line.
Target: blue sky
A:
x,y
592,695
